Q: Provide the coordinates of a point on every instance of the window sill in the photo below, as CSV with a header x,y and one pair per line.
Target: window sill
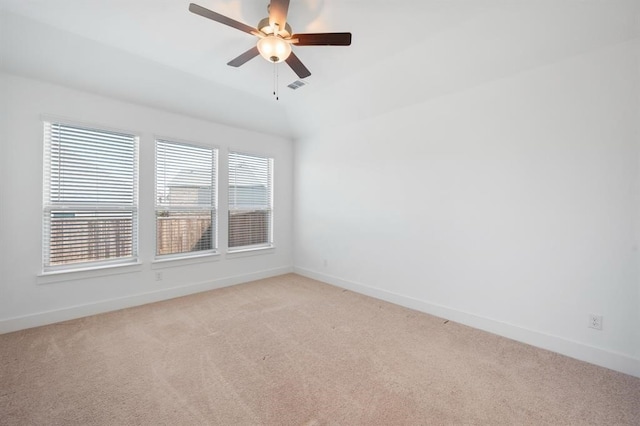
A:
x,y
89,272
253,251
172,261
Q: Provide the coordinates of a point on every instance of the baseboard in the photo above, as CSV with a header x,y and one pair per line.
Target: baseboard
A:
x,y
601,357
73,312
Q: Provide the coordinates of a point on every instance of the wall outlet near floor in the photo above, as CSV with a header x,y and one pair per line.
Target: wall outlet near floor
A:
x,y
595,321
325,262
158,276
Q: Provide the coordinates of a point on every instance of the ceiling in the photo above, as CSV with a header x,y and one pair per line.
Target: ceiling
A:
x,y
157,53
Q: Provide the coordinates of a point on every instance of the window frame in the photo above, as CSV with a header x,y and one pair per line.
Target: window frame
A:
x,y
270,244
48,206
213,209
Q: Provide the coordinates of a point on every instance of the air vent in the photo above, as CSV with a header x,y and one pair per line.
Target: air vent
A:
x,y
297,84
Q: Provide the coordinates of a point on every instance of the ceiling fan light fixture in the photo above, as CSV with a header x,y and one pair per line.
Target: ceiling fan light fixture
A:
x,y
276,36
274,49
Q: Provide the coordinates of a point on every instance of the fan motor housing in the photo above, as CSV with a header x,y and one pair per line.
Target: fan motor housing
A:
x,y
265,27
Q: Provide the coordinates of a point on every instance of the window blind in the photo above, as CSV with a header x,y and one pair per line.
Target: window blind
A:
x,y
250,201
90,196
186,214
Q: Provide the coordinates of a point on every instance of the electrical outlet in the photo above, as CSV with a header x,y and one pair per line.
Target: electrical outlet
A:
x,y
325,262
158,276
595,321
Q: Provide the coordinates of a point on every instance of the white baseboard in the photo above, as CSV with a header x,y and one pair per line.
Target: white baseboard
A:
x,y
608,359
73,312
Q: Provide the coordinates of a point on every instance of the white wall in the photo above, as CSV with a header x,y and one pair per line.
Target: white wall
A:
x,y
29,299
511,207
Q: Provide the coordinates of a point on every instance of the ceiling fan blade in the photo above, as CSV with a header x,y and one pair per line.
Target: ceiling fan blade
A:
x,y
199,10
297,66
278,10
323,39
245,57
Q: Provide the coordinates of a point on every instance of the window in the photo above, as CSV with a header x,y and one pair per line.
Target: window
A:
x,y
250,201
185,199
90,197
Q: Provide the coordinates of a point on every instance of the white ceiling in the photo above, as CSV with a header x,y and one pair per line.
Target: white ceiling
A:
x,y
157,53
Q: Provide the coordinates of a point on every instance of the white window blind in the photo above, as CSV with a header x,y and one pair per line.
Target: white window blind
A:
x,y
90,196
186,214
250,201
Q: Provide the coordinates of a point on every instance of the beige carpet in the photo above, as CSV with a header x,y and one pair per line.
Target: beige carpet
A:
x,y
293,351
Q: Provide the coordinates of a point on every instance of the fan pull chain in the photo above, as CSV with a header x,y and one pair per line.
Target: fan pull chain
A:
x,y
275,81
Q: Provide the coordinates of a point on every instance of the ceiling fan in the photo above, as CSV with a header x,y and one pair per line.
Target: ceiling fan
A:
x,y
275,37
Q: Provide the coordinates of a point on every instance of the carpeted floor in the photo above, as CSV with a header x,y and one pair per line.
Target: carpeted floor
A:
x,y
292,351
